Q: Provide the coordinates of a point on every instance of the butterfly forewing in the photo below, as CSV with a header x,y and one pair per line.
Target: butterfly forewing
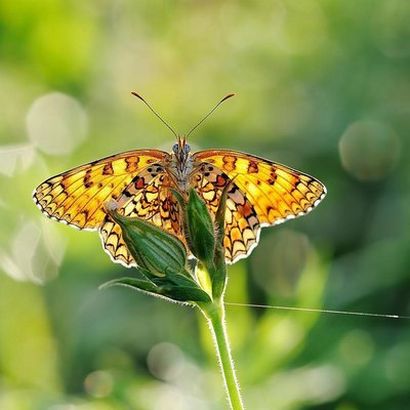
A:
x,y
263,193
77,197
277,192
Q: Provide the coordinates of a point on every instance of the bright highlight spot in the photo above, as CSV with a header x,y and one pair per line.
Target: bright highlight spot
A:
x,y
56,123
282,257
369,150
99,384
165,361
16,158
35,253
357,348
397,367
392,28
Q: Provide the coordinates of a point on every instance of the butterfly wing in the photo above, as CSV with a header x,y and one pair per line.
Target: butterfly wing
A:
x,y
242,226
150,199
263,193
77,197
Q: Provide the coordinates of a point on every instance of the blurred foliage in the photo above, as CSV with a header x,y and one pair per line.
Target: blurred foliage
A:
x,y
323,86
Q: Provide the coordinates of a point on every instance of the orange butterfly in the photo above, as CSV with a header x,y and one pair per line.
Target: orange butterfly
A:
x,y
262,193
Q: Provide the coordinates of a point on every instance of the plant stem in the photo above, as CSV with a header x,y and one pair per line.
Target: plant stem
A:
x,y
215,315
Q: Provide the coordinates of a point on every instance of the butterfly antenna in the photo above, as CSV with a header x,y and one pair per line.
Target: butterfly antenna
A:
x,y
155,113
209,113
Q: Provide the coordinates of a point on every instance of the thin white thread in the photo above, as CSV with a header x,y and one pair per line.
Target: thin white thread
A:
x,y
314,310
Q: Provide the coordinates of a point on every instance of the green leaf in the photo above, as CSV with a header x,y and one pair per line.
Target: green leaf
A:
x,y
135,283
185,291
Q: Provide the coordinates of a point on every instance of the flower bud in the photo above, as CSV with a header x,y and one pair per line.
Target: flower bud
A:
x,y
152,248
220,215
199,228
218,270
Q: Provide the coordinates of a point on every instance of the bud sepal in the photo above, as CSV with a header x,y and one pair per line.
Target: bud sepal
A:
x,y
153,249
198,226
177,289
161,259
205,239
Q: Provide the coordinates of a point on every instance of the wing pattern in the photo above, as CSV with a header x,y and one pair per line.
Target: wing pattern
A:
x,y
77,196
152,201
263,193
242,225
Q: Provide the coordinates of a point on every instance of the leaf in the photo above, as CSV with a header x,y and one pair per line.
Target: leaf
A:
x,y
183,291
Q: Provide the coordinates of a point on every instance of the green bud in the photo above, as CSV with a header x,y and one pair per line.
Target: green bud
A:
x,y
218,270
220,215
153,249
199,228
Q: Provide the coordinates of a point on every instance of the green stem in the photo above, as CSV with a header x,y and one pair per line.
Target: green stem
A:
x,y
215,315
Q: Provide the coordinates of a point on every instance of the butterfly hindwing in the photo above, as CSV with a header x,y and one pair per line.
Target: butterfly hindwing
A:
x,y
241,221
149,199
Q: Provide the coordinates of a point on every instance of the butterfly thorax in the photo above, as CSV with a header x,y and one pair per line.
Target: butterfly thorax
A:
x,y
181,164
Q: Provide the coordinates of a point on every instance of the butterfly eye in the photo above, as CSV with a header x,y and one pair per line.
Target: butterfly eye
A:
x,y
175,148
187,148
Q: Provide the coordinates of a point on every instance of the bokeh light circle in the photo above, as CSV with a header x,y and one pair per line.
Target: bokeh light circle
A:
x,y
279,261
369,150
392,28
99,383
165,361
56,123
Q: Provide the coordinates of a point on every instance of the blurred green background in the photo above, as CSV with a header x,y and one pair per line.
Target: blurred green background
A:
x,y
323,86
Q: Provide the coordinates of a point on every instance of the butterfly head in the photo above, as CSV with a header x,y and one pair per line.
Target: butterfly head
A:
x,y
181,149
180,166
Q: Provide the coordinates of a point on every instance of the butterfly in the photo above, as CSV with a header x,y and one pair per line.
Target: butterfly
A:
x,y
141,182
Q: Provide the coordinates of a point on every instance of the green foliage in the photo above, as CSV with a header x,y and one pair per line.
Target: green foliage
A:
x,y
321,86
162,259
177,287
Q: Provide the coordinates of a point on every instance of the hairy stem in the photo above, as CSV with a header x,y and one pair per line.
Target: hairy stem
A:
x,y
215,315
